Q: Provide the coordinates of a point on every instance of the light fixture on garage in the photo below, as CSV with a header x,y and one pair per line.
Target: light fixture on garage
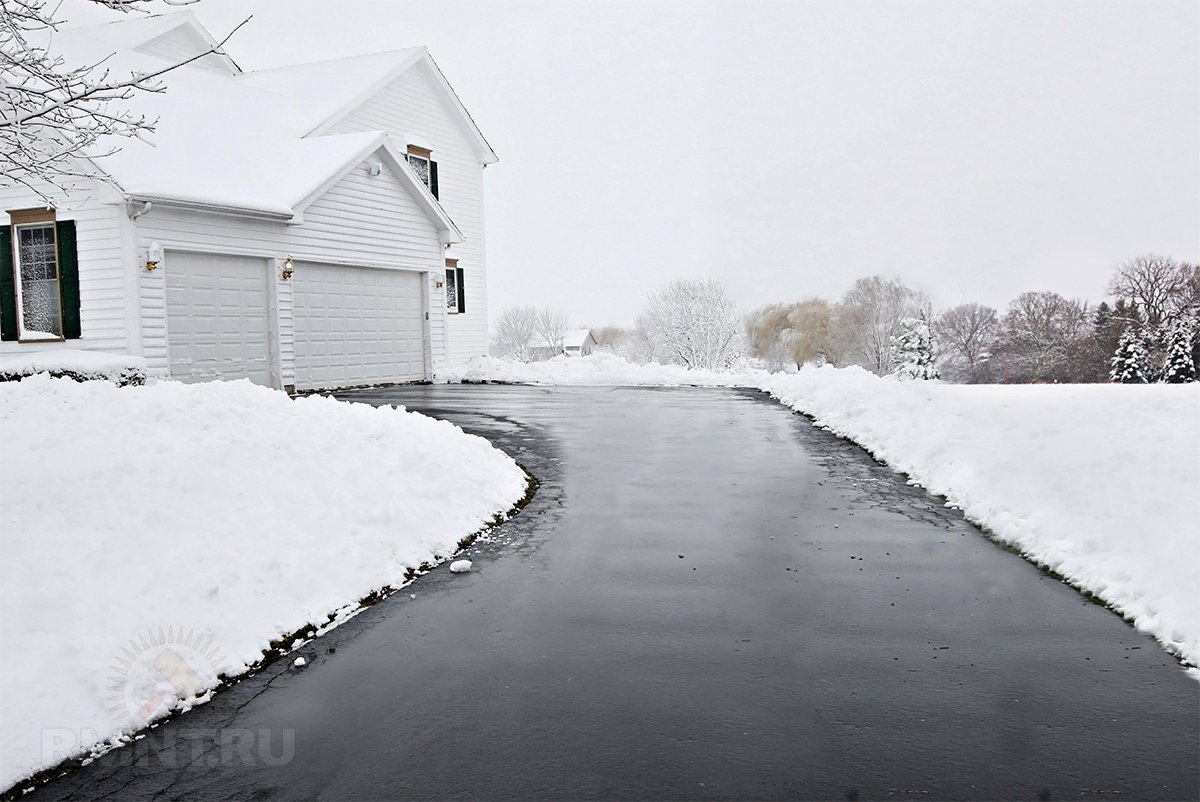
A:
x,y
288,266
154,255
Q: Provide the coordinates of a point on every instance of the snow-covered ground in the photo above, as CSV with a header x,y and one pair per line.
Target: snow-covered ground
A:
x,y
153,537
1097,482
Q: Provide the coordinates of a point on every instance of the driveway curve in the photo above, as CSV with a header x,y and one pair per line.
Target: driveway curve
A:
x,y
709,598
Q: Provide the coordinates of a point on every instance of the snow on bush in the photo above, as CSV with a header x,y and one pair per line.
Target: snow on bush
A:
x,y
75,364
1095,481
217,516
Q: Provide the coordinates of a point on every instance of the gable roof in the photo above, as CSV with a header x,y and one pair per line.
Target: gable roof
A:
x,y
227,140
572,338
327,99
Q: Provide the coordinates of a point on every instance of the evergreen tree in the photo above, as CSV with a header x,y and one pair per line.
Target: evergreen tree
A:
x,y
1129,361
1178,367
911,351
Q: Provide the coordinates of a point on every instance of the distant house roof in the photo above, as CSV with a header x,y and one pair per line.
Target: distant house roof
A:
x,y
250,142
573,338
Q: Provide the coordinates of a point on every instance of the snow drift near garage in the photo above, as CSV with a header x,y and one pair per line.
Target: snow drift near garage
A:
x,y
1095,481
224,514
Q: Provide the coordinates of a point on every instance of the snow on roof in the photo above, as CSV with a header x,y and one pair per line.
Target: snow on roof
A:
x,y
573,338
328,85
232,141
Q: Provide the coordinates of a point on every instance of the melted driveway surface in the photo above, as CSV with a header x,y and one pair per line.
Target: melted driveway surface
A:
x,y
708,598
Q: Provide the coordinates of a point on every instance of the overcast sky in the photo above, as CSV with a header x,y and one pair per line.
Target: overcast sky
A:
x,y
972,149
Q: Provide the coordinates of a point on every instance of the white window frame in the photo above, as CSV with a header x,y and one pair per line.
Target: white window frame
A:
x,y
451,281
425,156
39,218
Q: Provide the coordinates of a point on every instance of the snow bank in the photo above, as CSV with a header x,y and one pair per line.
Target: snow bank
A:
x,y
1096,482
204,520
597,369
75,364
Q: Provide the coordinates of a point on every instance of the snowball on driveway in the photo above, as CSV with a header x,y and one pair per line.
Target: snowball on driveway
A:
x,y
460,566
216,517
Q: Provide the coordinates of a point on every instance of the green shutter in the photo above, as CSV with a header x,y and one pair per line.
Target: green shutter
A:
x,y
462,292
8,287
68,278
433,186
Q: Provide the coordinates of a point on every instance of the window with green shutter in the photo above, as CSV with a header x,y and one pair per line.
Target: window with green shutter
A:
x,y
39,278
456,300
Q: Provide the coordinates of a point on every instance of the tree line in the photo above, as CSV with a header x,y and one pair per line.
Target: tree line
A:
x,y
1146,330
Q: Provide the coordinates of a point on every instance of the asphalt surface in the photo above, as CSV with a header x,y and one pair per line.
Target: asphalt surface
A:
x,y
708,598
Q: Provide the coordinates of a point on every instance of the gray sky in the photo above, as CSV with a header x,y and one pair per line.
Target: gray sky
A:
x,y
972,149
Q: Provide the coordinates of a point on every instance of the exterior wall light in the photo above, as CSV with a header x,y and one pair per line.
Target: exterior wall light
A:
x,y
154,255
288,268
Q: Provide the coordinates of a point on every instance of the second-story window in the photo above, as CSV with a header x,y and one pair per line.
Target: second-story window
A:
x,y
420,159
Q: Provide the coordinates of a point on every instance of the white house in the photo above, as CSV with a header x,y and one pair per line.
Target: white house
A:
x,y
311,226
575,342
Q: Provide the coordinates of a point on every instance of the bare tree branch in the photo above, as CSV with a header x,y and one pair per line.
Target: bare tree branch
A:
x,y
53,117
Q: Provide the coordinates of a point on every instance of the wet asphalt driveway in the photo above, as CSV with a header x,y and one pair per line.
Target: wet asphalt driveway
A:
x,y
708,598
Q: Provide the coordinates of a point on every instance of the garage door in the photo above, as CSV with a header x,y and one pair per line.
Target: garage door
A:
x,y
357,326
217,323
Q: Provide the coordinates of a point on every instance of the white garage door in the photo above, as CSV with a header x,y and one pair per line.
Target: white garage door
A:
x,y
357,326
217,323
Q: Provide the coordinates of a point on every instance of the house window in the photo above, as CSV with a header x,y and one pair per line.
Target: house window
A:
x,y
422,163
38,295
39,277
456,301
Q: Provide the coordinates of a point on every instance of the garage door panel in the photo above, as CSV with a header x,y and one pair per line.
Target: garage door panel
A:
x,y
357,326
217,317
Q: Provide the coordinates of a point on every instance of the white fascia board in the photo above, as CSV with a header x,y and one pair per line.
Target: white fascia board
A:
x,y
216,208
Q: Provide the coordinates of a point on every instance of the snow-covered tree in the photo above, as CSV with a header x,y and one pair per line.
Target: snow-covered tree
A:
x,y
691,322
1178,367
56,116
911,350
513,332
867,318
1129,362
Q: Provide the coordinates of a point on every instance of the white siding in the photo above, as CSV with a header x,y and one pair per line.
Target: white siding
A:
x,y
410,109
107,269
361,221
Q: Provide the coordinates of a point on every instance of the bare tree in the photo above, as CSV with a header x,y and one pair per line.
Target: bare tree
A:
x,y
1040,334
965,335
692,323
54,116
867,318
1157,284
552,328
514,331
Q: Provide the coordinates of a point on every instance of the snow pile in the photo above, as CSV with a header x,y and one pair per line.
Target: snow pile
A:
x,y
75,364
212,518
596,369
1096,482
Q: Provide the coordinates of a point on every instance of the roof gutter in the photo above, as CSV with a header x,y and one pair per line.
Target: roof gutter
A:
x,y
214,208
